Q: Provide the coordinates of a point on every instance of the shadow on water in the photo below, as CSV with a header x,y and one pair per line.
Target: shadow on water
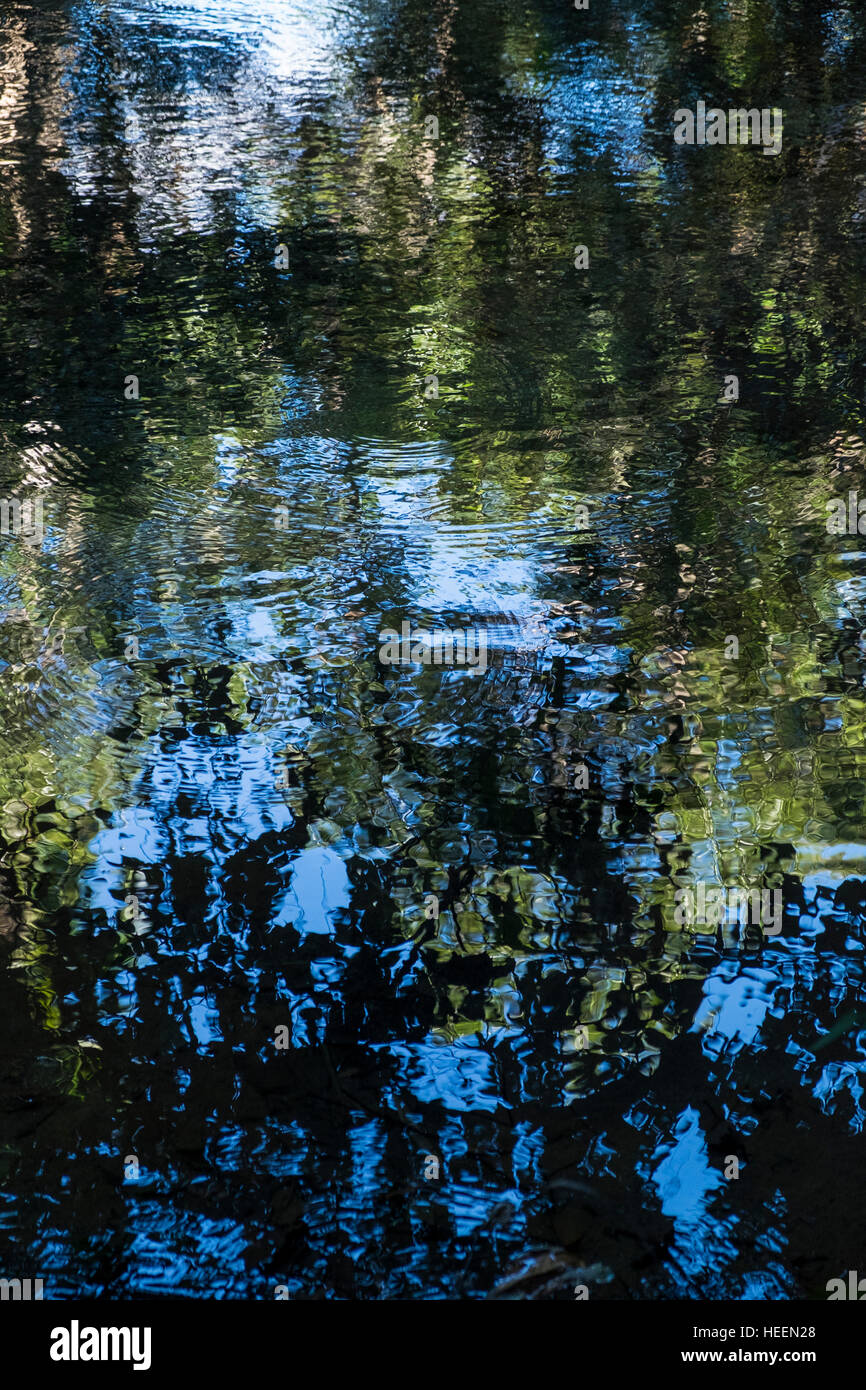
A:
x,y
359,979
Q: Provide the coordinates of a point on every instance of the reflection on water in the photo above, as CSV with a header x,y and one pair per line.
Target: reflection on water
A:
x,y
281,923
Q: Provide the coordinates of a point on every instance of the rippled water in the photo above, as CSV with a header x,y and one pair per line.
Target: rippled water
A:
x,y
280,922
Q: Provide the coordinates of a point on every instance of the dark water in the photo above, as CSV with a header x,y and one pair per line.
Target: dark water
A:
x,y
221,815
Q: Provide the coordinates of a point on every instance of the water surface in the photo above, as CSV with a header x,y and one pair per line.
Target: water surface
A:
x,y
335,244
